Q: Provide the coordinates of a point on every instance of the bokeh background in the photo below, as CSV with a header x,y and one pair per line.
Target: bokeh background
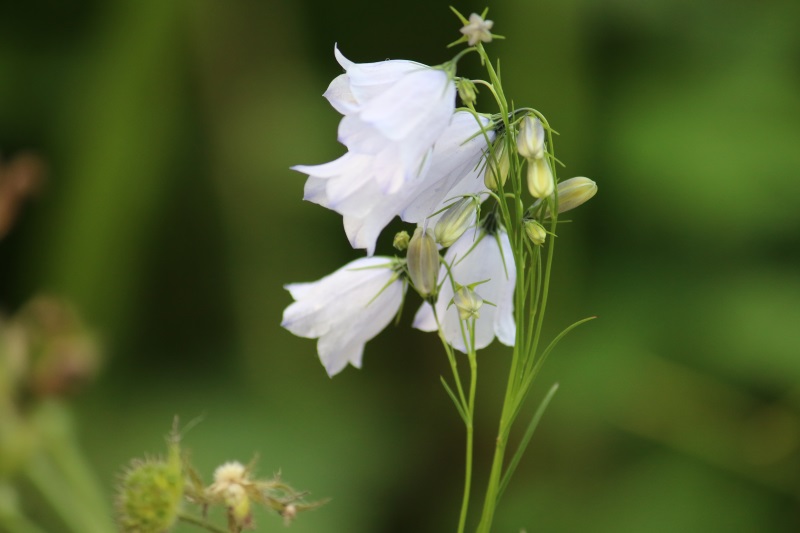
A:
x,y
170,219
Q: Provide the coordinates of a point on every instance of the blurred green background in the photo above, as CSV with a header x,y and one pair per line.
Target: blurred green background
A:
x,y
170,219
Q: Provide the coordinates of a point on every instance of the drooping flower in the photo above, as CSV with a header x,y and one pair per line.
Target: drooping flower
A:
x,y
394,111
476,257
344,185
345,309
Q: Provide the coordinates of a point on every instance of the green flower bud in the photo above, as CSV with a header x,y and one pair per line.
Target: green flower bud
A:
x,y
151,493
497,167
530,139
540,178
535,231
455,221
467,302
423,262
401,240
466,91
571,193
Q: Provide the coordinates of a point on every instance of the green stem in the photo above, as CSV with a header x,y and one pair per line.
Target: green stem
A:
x,y
18,524
76,515
11,519
473,368
200,522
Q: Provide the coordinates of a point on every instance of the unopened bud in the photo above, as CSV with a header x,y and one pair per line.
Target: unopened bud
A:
x,y
455,221
535,231
530,139
468,302
540,178
466,91
497,166
401,240
571,193
423,262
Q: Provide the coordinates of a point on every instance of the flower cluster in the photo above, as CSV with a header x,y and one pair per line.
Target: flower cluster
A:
x,y
412,154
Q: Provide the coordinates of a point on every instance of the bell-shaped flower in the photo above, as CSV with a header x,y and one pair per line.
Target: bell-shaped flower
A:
x,y
345,309
394,111
344,186
474,258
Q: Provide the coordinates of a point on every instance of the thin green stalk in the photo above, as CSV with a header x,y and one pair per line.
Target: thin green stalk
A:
x,y
18,524
200,522
11,519
76,515
473,368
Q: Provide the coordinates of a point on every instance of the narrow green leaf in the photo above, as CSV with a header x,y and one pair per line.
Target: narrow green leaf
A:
x,y
525,440
459,407
529,376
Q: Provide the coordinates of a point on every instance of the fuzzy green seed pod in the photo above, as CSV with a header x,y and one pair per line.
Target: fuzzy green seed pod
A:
x,y
150,494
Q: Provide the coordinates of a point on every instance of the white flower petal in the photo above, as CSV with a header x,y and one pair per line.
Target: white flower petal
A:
x,y
341,96
345,309
472,262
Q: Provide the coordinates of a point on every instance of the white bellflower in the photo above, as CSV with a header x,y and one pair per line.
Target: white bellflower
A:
x,y
345,309
473,259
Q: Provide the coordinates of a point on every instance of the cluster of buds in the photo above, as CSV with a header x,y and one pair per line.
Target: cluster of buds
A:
x,y
154,492
531,146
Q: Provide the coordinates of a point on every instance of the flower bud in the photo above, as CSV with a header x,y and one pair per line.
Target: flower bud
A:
x,y
455,221
497,167
467,301
540,178
401,240
530,139
571,193
423,262
466,91
535,231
